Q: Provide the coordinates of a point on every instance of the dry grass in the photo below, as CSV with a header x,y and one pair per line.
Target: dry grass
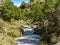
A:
x,y
14,25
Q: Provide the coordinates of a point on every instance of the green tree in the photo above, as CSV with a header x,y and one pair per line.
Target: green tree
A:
x,y
45,14
6,11
23,5
10,11
36,11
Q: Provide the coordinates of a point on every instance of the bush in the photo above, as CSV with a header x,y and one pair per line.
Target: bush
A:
x,y
14,33
10,11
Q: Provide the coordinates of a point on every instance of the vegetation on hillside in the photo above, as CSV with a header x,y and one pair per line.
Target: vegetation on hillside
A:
x,y
10,11
46,14
11,21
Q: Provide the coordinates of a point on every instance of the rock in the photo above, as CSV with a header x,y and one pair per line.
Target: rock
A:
x,y
58,43
53,39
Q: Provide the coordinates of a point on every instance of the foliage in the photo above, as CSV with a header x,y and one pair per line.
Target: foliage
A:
x,y
14,33
36,11
23,5
45,13
10,11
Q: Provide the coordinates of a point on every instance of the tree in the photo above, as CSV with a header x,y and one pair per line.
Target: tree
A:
x,y
23,5
6,11
45,14
36,11
10,11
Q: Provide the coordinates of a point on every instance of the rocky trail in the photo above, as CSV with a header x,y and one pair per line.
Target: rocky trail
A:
x,y
29,38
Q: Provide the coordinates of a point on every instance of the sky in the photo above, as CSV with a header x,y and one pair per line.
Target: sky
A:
x,y
18,2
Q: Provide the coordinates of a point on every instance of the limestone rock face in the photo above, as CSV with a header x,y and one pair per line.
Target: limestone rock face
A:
x,y
29,5
1,2
34,1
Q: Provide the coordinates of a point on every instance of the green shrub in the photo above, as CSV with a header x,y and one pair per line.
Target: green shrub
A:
x,y
14,33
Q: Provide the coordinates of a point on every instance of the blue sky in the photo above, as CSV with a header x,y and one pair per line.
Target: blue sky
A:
x,y
18,2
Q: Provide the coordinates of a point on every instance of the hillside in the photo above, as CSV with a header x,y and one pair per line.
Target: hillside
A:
x,y
10,30
42,15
